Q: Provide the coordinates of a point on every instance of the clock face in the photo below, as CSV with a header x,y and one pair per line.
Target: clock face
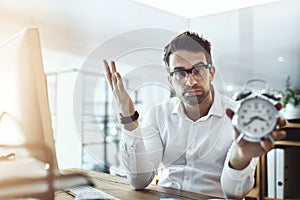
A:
x,y
256,118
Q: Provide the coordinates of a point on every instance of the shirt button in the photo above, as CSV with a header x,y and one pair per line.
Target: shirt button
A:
x,y
186,178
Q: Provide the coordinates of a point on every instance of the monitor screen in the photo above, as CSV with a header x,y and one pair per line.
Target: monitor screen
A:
x,y
25,123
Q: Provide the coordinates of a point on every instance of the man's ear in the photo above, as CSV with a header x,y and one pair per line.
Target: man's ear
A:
x,y
212,71
169,79
171,82
173,93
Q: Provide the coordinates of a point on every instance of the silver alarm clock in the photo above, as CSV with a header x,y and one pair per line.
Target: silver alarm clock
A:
x,y
256,115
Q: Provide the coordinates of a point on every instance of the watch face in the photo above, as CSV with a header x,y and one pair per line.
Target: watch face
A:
x,y
256,118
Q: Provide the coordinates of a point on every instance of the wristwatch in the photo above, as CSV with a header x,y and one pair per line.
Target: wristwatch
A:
x,y
256,116
125,120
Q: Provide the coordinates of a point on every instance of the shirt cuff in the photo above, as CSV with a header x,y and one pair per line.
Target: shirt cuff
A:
x,y
237,183
240,174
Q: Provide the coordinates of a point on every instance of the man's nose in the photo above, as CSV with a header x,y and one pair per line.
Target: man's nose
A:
x,y
191,80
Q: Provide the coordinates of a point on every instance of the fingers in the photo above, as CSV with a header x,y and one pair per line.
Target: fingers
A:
x,y
111,74
119,81
113,77
113,70
278,135
278,106
281,122
108,74
229,113
267,144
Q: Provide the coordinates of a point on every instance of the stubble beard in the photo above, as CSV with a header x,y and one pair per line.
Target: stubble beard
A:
x,y
195,100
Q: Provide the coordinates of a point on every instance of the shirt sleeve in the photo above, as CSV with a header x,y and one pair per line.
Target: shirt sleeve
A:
x,y
141,152
236,184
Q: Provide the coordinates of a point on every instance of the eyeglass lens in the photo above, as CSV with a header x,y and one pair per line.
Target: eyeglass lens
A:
x,y
182,75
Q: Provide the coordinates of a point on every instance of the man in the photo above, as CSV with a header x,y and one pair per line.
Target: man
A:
x,y
189,136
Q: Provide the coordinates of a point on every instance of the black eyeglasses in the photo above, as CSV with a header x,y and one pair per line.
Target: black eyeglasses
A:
x,y
197,71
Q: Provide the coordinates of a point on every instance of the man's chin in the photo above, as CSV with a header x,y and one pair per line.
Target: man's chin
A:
x,y
193,100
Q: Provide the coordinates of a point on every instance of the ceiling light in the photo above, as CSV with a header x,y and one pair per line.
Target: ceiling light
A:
x,y
229,88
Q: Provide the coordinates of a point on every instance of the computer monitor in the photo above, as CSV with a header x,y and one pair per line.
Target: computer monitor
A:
x,y
25,124
25,121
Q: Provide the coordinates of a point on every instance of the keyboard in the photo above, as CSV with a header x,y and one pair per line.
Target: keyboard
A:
x,y
88,193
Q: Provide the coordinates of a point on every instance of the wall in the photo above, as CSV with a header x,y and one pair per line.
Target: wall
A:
x,y
257,42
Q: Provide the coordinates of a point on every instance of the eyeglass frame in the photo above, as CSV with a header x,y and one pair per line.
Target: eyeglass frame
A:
x,y
190,71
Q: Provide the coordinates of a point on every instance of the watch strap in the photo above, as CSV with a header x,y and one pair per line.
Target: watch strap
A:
x,y
125,120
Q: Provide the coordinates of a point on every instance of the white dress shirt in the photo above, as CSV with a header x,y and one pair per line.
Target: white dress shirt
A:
x,y
191,154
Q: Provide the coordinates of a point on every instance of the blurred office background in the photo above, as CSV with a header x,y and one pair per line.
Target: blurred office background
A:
x,y
257,39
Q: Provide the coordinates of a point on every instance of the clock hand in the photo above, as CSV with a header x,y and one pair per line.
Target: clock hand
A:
x,y
260,118
252,119
249,122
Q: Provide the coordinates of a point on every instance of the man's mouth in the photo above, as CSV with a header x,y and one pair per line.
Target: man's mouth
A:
x,y
193,92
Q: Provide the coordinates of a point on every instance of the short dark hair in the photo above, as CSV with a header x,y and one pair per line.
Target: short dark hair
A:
x,y
188,41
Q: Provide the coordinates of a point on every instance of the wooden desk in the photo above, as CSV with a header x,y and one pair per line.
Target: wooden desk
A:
x,y
120,188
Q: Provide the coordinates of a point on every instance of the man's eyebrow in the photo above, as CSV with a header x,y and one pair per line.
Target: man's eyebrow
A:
x,y
199,63
178,68
181,67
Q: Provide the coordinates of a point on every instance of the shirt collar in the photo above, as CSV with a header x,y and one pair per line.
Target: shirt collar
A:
x,y
216,109
178,108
